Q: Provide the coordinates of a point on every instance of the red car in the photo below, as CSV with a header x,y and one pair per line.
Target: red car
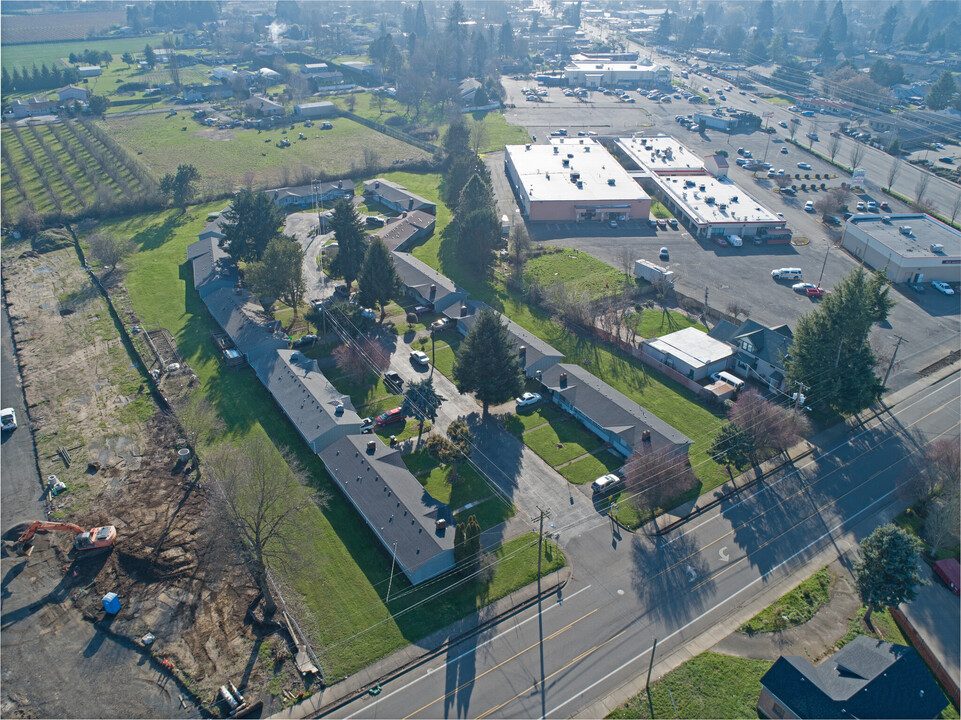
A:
x,y
390,417
721,240
817,292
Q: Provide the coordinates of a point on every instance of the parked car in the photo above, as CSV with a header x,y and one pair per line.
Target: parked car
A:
x,y
423,309
393,381
304,341
366,425
917,287
948,160
390,417
664,254
661,224
784,151
802,287
8,419
340,290
809,206
605,483
804,165
613,223
783,125
817,292
527,399
862,206
942,286
419,357
831,220
884,206
721,240
368,313
441,324
672,222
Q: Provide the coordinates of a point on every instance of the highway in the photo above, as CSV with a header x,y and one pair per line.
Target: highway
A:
x,y
595,636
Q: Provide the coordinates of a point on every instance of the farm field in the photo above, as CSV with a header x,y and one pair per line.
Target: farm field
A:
x,y
66,167
40,27
53,52
341,575
232,157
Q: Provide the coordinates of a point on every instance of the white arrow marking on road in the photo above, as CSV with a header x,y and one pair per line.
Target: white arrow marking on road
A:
x,y
723,553
692,572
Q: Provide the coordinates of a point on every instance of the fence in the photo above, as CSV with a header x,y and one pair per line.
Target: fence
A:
x,y
391,132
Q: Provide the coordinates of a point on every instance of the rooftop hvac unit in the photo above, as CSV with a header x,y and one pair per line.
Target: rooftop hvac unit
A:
x,y
556,149
587,149
937,248
440,524
339,409
570,155
371,446
723,206
580,184
522,350
565,162
610,181
905,229
703,188
709,200
733,198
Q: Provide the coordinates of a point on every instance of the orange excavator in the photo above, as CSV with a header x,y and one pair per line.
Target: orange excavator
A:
x,y
98,538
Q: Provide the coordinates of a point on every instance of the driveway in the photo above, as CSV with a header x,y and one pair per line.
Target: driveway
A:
x,y
301,226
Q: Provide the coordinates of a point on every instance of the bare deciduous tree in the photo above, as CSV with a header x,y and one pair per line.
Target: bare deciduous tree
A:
x,y
262,493
782,181
370,157
936,470
360,356
478,136
834,146
519,243
109,250
735,308
625,258
894,171
653,476
942,521
956,208
922,187
857,154
200,421
771,427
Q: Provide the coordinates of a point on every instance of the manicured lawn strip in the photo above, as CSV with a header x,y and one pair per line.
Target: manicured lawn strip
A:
x,y
341,570
362,390
793,608
706,686
468,487
227,155
658,210
527,418
590,468
490,513
444,360
652,323
419,461
402,431
578,268
574,437
376,407
912,521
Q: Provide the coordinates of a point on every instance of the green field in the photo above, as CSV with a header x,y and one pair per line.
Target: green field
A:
x,y
578,269
652,323
341,570
561,441
230,157
39,53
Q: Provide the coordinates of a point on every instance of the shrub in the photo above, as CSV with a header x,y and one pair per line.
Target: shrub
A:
x,y
49,240
411,318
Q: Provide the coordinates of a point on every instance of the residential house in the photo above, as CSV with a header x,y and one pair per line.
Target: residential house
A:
x,y
71,93
609,414
866,678
397,197
426,285
467,90
222,74
213,229
416,530
535,354
305,196
691,352
322,74
203,93
759,351
264,106
271,76
400,233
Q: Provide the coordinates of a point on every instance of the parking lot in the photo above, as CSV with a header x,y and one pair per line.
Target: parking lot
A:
x,y
929,322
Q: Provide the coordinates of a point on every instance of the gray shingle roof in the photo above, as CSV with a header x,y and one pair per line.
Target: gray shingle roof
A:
x,y
419,276
610,409
213,268
866,678
535,348
307,397
770,344
398,194
247,327
393,503
305,192
399,230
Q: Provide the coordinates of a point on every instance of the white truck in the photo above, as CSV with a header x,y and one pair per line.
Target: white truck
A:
x,y
653,273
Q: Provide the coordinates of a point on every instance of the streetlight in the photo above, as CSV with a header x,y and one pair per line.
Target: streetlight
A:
x,y
824,265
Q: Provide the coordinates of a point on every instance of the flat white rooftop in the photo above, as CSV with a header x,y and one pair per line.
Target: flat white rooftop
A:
x,y
545,177
661,154
600,66
694,347
709,200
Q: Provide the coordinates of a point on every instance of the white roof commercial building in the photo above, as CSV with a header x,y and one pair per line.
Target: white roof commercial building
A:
x,y
699,193
911,248
576,180
593,73
690,352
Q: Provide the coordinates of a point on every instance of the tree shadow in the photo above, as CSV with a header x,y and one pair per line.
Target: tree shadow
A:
x,y
678,570
155,236
460,672
497,453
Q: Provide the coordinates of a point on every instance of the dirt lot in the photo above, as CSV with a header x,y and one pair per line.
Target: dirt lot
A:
x,y
85,395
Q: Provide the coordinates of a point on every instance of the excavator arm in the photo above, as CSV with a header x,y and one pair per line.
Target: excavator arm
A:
x,y
38,525
94,539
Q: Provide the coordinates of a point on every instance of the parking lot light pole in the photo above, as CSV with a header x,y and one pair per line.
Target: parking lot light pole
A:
x,y
824,265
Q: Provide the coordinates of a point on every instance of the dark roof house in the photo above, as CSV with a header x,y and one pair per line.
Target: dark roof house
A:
x,y
759,351
866,678
306,195
535,353
426,284
212,266
608,413
401,232
394,504
397,197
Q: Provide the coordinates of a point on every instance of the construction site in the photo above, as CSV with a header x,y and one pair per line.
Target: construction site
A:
x,y
121,517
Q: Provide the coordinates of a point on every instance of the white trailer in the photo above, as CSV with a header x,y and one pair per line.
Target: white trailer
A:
x,y
653,273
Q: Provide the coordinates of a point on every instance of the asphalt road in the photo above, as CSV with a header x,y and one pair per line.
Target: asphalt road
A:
x,y
596,634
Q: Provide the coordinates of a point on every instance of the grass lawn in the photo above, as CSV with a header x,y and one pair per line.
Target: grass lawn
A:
x,y
342,572
652,323
658,210
794,608
912,521
227,156
574,438
583,271
444,359
18,56
706,686
528,418
401,431
420,461
489,513
590,468
427,185
469,486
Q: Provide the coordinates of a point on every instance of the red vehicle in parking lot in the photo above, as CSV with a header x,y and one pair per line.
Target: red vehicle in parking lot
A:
x,y
817,292
721,240
390,417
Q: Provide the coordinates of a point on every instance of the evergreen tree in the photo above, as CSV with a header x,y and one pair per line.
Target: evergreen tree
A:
x,y
349,234
150,56
455,16
825,47
421,401
460,170
476,195
886,573
507,40
487,362
249,224
765,17
831,353
888,23
280,274
179,187
127,59
378,281
665,28
457,139
942,92
839,23
472,543
420,21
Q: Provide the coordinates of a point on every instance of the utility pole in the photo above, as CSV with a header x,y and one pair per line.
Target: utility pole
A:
x,y
884,382
824,265
650,666
705,302
540,539
391,580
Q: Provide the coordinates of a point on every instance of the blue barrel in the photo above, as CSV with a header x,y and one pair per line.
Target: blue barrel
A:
x,y
111,603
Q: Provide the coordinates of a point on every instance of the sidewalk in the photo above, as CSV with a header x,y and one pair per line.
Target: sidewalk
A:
x,y
428,648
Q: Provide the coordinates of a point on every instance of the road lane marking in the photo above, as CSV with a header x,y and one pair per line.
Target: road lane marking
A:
x,y
723,554
431,671
503,662
710,610
876,421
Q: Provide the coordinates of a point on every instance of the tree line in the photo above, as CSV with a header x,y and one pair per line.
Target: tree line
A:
x,y
24,79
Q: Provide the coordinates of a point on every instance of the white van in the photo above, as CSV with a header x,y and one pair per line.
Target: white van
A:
x,y
786,274
731,380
